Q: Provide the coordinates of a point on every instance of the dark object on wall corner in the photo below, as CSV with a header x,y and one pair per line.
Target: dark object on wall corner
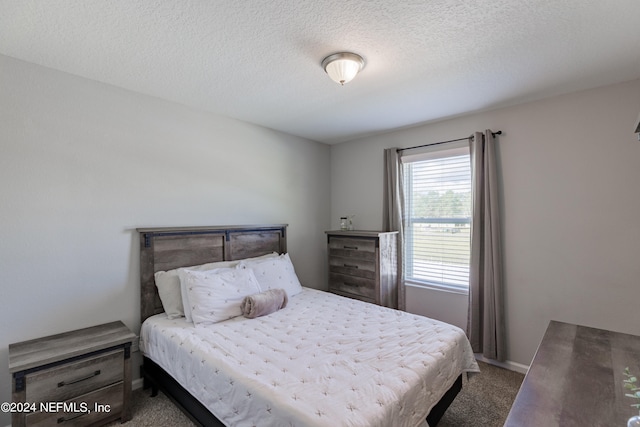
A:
x,y
637,131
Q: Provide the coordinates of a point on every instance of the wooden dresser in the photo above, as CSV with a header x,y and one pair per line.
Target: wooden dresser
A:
x,y
576,379
76,378
364,265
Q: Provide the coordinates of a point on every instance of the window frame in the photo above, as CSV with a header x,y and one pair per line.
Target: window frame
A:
x,y
431,153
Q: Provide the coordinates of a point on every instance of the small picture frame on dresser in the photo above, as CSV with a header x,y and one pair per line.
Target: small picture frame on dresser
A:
x,y
364,265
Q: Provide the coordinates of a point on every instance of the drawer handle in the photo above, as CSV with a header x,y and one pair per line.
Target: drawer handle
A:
x,y
350,266
63,419
91,375
355,248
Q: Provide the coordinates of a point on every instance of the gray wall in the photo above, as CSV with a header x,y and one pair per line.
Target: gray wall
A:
x,y
570,184
83,164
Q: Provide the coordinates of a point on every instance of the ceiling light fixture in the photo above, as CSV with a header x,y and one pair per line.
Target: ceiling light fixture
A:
x,y
342,67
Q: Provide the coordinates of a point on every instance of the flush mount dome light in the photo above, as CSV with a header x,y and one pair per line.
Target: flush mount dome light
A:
x,y
342,67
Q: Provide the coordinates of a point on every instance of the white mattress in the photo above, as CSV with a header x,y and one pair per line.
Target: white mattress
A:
x,y
324,360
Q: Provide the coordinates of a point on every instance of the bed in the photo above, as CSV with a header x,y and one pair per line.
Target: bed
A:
x,y
323,360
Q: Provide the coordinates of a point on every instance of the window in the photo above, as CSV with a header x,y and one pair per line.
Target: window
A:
x,y
438,218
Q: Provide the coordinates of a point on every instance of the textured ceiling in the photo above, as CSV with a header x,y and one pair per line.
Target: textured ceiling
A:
x,y
259,61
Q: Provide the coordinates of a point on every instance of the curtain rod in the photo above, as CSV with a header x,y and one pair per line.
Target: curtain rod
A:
x,y
443,142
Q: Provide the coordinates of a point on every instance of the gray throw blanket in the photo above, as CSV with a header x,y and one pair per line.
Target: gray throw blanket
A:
x,y
264,303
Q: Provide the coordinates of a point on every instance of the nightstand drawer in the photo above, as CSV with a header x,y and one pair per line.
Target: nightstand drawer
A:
x,y
88,365
108,398
353,267
357,286
352,248
75,378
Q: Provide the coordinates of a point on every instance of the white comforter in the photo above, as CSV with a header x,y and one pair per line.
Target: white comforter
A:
x,y
324,360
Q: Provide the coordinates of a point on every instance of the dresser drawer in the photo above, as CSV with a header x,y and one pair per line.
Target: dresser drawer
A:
x,y
352,248
75,378
108,398
353,267
362,265
352,285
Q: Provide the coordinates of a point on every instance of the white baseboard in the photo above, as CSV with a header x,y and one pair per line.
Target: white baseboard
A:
x,y
512,366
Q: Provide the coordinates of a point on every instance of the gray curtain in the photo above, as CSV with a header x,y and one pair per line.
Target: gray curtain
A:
x,y
392,211
485,321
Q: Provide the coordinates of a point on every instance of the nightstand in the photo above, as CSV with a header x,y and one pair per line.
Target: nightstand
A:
x,y
75,378
364,265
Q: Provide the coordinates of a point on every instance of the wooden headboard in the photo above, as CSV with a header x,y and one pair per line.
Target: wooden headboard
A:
x,y
168,248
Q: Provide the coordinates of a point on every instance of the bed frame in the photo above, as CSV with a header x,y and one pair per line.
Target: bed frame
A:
x,y
169,248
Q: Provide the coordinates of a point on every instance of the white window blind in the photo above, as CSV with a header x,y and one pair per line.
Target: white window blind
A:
x,y
438,214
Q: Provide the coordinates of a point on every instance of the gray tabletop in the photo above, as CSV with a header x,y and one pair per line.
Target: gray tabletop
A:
x,y
577,379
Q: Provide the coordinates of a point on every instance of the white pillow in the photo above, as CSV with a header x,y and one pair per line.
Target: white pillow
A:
x,y
168,284
205,267
217,295
274,273
169,292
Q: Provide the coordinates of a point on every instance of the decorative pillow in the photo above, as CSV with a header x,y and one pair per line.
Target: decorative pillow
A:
x,y
217,295
168,284
169,289
264,303
274,273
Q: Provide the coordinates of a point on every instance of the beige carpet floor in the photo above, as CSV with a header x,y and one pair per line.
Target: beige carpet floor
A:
x,y
484,401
